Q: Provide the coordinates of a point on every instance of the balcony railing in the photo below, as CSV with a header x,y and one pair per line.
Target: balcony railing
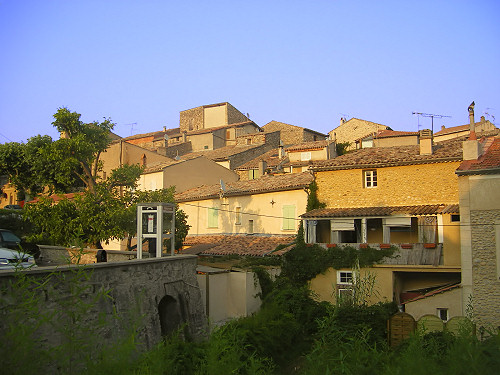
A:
x,y
405,254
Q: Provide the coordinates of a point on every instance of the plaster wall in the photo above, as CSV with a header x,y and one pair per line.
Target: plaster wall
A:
x,y
450,300
267,217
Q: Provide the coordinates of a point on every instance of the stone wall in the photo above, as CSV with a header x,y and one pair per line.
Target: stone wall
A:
x,y
135,294
485,280
243,157
191,119
175,149
234,116
289,134
397,186
355,129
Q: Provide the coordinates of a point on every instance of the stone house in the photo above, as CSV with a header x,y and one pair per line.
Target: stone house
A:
x,y
184,174
121,152
293,159
479,189
354,131
406,196
482,128
248,147
270,205
292,134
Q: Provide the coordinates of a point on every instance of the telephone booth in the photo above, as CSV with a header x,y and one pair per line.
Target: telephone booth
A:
x,y
156,223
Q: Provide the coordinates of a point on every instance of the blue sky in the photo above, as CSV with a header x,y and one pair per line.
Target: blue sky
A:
x,y
306,63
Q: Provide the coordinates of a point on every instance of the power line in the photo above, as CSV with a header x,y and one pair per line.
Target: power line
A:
x,y
340,221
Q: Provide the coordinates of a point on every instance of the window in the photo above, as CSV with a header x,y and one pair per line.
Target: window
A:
x,y
205,147
238,216
289,217
443,314
370,179
228,134
253,174
213,217
344,285
455,218
304,156
344,277
250,226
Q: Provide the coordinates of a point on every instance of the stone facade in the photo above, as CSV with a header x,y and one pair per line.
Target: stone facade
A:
x,y
191,119
291,134
355,129
137,292
485,277
234,116
397,186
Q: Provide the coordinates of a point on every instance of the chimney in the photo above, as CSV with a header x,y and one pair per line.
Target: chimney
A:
x,y
342,120
443,127
425,140
483,119
281,151
184,137
164,128
472,126
471,148
262,167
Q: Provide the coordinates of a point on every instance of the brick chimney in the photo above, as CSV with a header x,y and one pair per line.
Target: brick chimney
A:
x,y
471,148
425,141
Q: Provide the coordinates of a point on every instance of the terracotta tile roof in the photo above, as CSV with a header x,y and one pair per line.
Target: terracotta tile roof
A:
x,y
431,209
372,157
290,181
454,129
156,134
317,145
271,158
438,290
488,162
220,154
393,133
58,197
243,245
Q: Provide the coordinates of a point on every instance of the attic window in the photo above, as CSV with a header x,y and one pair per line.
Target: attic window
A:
x,y
370,178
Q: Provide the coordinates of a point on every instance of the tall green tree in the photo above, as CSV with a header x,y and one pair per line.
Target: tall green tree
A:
x,y
106,208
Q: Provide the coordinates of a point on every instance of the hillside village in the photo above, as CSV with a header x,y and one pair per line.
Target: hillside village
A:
x,y
434,197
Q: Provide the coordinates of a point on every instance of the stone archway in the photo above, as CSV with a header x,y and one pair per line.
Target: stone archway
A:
x,y
169,311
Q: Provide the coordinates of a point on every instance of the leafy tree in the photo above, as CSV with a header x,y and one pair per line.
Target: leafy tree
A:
x,y
106,208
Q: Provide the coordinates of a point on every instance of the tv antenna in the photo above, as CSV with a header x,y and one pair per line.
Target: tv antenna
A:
x,y
131,127
431,115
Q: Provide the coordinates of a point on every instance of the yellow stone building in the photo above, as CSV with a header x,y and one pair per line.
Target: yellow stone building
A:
x,y
404,196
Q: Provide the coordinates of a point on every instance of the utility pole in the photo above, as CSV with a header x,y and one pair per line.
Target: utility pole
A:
x,y
431,116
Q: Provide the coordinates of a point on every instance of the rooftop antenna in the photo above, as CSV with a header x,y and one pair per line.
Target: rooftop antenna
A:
x,y
431,115
131,127
488,114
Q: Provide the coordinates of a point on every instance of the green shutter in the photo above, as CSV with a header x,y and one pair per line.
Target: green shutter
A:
x,y
289,217
213,217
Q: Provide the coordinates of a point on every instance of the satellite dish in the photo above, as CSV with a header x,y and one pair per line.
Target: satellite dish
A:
x,y
222,186
165,137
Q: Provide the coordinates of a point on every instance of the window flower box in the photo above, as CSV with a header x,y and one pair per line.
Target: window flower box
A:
x,y
430,245
385,245
407,246
331,245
